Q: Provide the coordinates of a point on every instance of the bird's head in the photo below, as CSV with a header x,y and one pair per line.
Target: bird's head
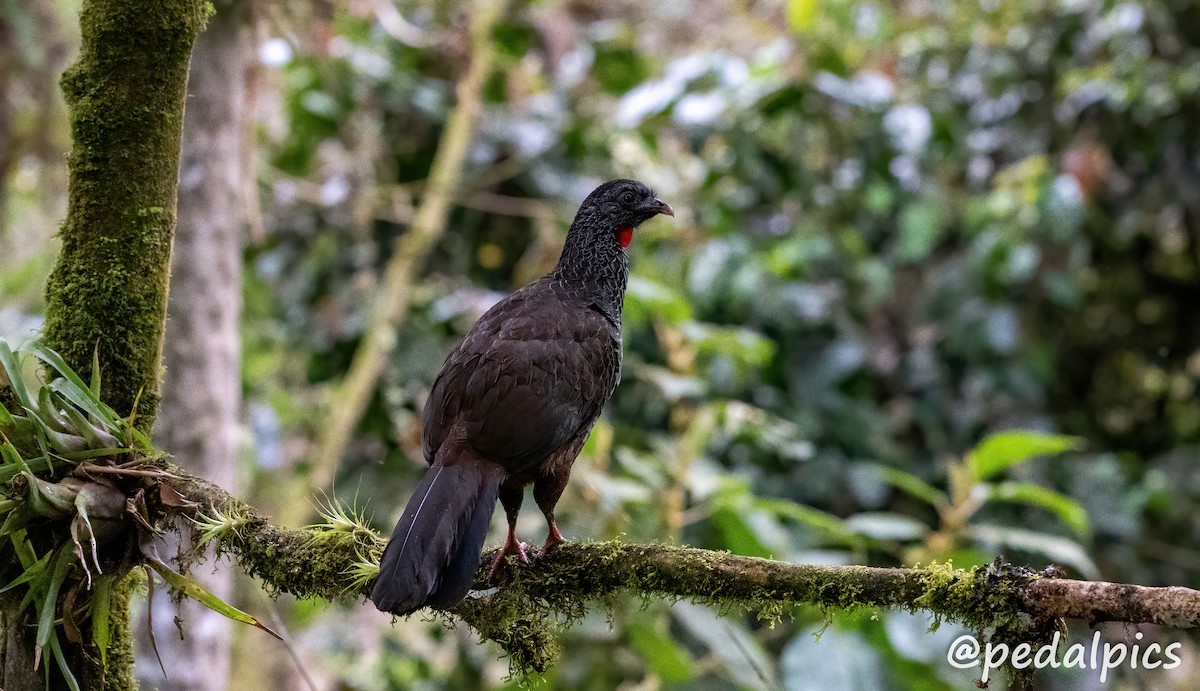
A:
x,y
620,206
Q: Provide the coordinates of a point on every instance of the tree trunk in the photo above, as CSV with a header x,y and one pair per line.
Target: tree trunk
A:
x,y
16,669
198,415
108,292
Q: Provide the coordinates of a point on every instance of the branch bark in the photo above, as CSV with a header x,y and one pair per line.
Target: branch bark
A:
x,y
521,613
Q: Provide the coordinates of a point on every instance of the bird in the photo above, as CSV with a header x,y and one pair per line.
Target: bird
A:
x,y
513,404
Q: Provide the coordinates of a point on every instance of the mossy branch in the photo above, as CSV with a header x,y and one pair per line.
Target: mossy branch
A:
x,y
529,601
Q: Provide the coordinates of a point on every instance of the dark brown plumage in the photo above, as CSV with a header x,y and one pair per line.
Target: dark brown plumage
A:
x,y
513,405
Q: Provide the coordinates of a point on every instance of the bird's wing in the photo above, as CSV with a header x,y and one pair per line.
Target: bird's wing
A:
x,y
526,380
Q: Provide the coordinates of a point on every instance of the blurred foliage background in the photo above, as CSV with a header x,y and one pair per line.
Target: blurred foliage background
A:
x,y
901,227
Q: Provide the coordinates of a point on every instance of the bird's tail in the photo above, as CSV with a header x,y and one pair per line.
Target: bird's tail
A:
x,y
435,549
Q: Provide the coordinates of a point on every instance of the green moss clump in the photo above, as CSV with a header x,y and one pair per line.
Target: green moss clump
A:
x,y
8,400
982,599
304,563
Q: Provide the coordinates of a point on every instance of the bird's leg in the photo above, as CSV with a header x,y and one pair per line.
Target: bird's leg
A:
x,y
546,491
510,497
554,538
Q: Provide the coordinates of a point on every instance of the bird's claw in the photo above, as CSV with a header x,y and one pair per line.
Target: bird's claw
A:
x,y
553,539
511,546
548,547
521,552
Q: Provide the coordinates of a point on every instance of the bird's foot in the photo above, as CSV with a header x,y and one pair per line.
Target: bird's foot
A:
x,y
511,546
553,539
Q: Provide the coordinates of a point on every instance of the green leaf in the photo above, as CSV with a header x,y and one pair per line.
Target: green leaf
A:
x,y
52,358
96,437
48,412
13,369
816,519
1003,450
33,465
17,519
1064,507
88,454
669,661
186,586
62,566
646,300
887,527
920,228
733,508
12,457
22,433
909,484
745,346
7,421
29,574
95,387
82,399
61,443
728,643
801,15
737,534
23,549
101,606
827,657
71,386
61,661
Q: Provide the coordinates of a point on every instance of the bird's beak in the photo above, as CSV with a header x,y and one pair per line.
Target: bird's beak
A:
x,y
661,207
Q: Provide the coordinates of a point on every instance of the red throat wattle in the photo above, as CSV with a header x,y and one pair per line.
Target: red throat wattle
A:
x,y
625,236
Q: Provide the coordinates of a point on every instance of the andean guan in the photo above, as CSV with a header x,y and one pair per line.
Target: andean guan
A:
x,y
513,405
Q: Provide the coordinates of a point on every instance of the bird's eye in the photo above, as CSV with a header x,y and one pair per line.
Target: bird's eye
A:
x,y
627,199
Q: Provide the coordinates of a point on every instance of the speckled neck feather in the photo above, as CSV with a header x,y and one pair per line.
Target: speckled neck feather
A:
x,y
592,260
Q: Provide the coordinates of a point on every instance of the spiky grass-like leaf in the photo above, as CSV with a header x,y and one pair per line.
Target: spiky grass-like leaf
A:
x,y
7,421
341,518
61,661
29,575
11,457
363,570
56,416
33,465
101,606
50,412
16,380
95,386
186,586
64,414
218,524
63,562
71,386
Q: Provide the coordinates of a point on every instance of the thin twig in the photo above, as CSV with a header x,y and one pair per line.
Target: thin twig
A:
x,y
116,470
291,649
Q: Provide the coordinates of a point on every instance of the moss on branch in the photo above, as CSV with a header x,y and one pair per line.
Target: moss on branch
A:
x,y
526,604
